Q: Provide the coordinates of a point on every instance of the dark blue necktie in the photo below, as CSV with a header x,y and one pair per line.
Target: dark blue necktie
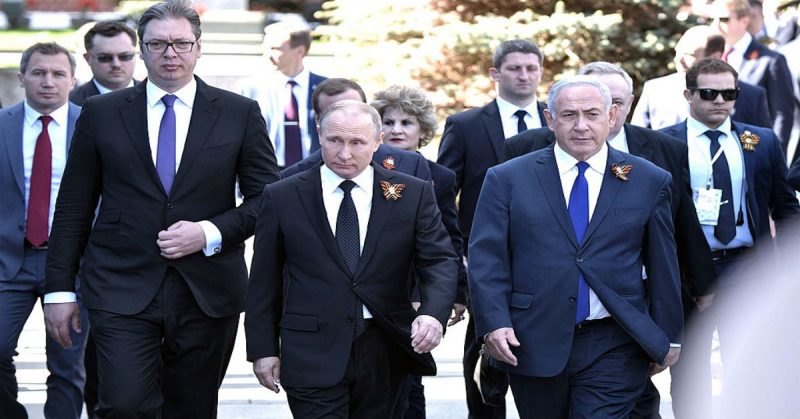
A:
x,y
725,230
165,155
579,214
349,244
521,125
293,146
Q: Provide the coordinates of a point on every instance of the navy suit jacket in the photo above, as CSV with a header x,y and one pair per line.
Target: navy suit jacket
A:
x,y
768,193
79,94
12,186
525,260
472,143
697,271
794,175
386,156
301,294
768,69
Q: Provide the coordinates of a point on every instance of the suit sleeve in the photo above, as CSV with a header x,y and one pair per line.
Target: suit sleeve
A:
x,y
446,200
489,270
256,168
783,203
264,304
794,175
452,151
77,199
761,115
661,262
434,259
779,87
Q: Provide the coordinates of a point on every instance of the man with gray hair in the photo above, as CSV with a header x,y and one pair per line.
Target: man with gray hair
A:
x,y
556,255
163,271
328,314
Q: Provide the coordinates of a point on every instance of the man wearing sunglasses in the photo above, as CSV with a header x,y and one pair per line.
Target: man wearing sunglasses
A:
x,y
738,178
110,53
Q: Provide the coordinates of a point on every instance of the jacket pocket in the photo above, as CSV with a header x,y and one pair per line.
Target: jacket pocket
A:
x,y
299,322
107,220
519,300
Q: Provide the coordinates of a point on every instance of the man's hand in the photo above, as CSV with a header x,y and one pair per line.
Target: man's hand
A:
x,y
58,318
268,372
181,239
497,344
669,360
458,313
703,302
426,333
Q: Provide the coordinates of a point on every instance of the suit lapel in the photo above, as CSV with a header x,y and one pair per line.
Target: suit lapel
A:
x,y
608,194
72,118
638,145
134,118
494,127
12,133
541,106
380,212
546,171
204,116
749,158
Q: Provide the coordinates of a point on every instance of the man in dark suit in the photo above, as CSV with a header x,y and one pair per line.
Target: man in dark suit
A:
x,y
791,51
328,310
110,53
285,93
756,64
34,142
163,268
556,256
333,90
473,142
738,175
662,104
794,176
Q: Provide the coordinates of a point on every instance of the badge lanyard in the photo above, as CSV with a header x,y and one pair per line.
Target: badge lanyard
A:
x,y
710,178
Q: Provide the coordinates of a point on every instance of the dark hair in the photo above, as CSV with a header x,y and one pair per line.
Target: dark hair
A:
x,y
714,44
333,87
170,9
709,66
45,48
515,45
108,28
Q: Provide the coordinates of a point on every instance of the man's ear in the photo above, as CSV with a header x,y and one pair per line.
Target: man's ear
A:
x,y
550,119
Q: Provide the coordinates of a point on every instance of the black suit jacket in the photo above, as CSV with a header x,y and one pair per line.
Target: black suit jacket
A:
x,y
79,94
794,175
472,143
301,295
697,271
391,158
122,268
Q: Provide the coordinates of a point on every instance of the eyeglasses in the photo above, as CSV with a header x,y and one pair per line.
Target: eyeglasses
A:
x,y
711,94
157,47
107,58
723,19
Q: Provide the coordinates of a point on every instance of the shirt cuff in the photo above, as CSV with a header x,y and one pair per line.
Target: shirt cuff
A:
x,y
213,238
60,297
674,345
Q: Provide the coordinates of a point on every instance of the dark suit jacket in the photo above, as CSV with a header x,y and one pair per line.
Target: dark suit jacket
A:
x,y
768,193
472,143
314,80
768,69
697,271
79,94
12,187
525,261
794,175
404,161
310,324
122,267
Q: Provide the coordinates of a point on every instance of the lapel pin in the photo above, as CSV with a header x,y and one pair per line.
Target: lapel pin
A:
x,y
749,141
621,171
388,163
392,191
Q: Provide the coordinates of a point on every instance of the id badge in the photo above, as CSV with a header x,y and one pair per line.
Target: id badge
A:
x,y
707,203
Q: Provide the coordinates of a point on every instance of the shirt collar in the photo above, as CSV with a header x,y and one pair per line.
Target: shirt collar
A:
x,y
619,138
742,44
103,90
331,181
695,128
59,115
302,78
507,108
566,162
185,94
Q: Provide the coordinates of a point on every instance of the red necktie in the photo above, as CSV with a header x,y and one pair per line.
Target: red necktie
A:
x,y
726,54
39,198
293,147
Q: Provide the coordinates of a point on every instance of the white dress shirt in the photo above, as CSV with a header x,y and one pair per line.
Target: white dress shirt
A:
x,y
510,121
700,171
103,90
736,56
619,142
568,171
332,197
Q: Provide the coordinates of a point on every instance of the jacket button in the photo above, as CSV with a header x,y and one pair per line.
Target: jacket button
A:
x,y
572,299
170,205
579,259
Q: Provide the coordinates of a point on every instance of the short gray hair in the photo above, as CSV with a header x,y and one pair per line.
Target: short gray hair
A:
x,y
170,9
354,105
604,67
577,81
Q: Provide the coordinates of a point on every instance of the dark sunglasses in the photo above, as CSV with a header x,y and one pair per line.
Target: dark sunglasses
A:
x,y
711,94
107,58
723,19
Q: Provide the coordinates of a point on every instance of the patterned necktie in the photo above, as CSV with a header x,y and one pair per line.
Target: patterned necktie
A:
x,y
521,125
725,230
39,196
350,245
579,214
165,155
293,147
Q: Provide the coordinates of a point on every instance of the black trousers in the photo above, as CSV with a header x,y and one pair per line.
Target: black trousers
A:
x,y
166,361
370,388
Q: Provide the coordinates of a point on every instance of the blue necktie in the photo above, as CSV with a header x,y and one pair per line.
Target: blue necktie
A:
x,y
347,238
725,230
579,214
521,125
165,156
